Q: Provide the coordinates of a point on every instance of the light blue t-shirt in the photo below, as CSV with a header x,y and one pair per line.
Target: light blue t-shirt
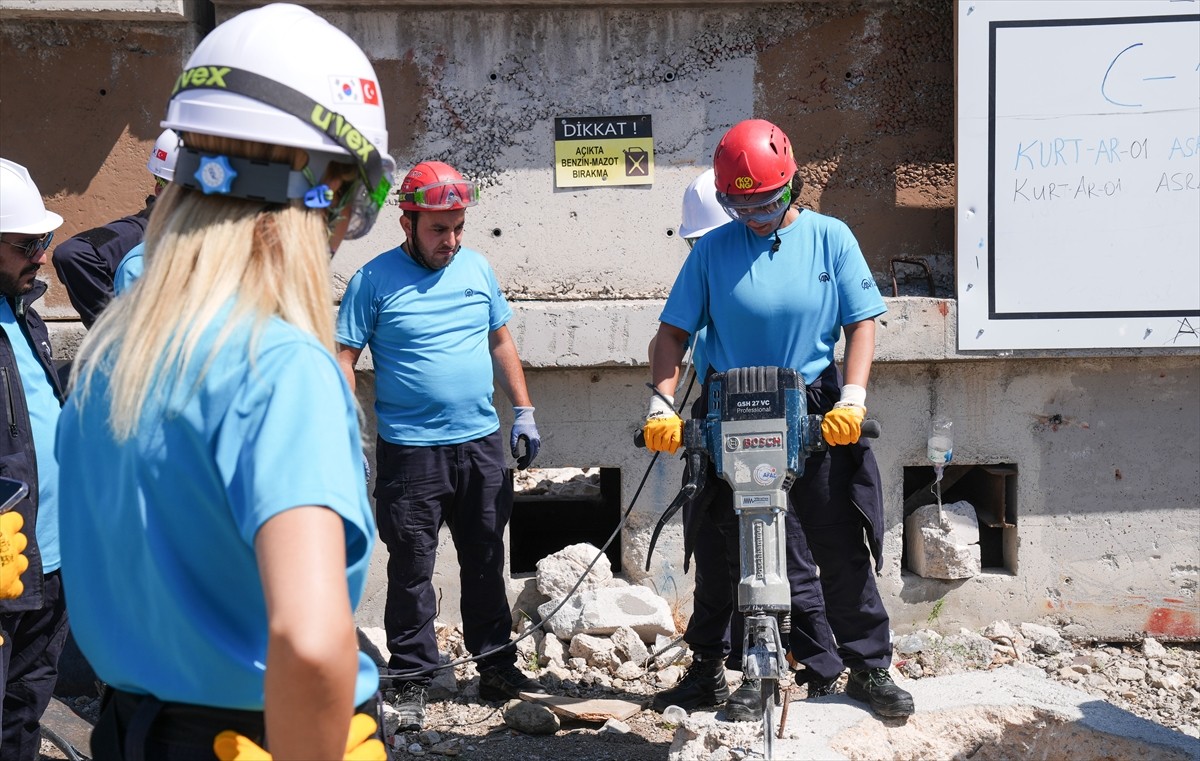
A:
x,y
130,269
783,308
429,336
159,530
44,410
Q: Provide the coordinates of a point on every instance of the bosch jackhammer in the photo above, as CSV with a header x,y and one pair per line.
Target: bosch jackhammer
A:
x,y
758,434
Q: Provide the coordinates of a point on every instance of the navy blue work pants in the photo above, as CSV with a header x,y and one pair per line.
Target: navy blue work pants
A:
x,y
33,640
837,614
468,487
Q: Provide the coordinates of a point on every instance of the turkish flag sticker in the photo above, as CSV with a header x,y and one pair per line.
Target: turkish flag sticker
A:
x,y
370,92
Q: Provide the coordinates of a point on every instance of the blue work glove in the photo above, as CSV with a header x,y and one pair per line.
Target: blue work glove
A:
x,y
524,428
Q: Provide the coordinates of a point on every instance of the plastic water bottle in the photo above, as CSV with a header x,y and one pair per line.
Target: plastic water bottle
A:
x,y
940,448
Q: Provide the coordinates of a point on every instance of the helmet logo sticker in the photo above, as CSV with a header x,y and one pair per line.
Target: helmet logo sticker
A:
x,y
160,154
354,90
215,175
743,183
765,474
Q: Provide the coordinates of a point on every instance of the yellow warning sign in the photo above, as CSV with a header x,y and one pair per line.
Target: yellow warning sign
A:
x,y
603,150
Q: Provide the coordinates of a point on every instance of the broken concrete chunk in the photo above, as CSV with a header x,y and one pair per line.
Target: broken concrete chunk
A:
x,y
943,543
557,573
603,611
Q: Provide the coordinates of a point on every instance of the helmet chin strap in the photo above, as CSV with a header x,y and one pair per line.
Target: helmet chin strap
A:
x,y
777,242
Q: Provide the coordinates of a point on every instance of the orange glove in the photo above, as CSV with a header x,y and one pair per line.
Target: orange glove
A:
x,y
360,745
843,423
12,558
663,430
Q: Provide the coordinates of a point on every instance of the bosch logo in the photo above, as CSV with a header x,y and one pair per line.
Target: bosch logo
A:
x,y
762,442
743,183
732,444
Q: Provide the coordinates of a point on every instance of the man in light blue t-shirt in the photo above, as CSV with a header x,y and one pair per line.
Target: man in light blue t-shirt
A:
x,y
435,319
778,288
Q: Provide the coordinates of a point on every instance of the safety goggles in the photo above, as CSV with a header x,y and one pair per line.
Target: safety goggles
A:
x,y
755,208
363,211
34,246
440,196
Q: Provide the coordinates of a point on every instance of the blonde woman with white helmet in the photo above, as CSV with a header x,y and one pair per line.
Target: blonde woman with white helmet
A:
x,y
218,528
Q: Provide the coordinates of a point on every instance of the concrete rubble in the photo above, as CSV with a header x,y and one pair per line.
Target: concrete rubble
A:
x,y
990,693
943,541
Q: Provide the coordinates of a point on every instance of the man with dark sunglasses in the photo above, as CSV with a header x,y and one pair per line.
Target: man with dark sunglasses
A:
x,y
34,623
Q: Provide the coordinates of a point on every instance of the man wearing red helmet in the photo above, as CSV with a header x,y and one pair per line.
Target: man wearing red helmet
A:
x,y
435,319
778,290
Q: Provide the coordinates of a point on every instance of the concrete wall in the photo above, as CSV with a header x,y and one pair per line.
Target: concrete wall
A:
x,y
1107,443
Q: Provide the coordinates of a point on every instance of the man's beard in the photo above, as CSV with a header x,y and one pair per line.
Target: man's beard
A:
x,y
418,255
12,286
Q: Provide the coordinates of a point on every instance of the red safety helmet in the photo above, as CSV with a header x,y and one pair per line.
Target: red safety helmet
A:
x,y
436,186
753,157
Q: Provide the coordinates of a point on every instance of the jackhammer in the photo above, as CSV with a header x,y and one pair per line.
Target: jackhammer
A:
x,y
758,434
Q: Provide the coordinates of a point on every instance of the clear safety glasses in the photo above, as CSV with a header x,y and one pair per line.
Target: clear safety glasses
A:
x,y
363,211
758,208
440,196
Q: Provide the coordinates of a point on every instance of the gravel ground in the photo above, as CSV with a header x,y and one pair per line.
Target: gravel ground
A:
x,y
1154,681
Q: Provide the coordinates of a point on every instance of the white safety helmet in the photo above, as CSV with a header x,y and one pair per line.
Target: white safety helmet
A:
x,y
282,75
701,211
21,207
163,155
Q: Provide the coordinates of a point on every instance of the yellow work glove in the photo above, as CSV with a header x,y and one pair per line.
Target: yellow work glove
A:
x,y
663,430
360,745
12,555
843,423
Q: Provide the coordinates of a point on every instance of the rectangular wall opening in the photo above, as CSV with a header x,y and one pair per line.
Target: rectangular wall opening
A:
x,y
555,508
991,489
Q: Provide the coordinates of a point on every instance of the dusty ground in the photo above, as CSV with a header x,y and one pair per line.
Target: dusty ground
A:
x,y
1160,687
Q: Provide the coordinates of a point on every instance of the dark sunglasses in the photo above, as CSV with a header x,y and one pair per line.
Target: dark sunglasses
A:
x,y
33,246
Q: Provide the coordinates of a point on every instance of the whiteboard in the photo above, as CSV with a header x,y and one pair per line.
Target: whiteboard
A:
x,y
1078,215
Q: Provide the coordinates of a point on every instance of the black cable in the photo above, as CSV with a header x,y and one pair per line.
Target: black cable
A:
x,y
616,532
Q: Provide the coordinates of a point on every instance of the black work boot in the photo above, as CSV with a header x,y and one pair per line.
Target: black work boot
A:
x,y
506,682
702,685
818,686
876,688
410,704
745,704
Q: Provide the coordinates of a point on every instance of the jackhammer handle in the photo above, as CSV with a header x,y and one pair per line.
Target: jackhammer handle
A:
x,y
870,429
639,439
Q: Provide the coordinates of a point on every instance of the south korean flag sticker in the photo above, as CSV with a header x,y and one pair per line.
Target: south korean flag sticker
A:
x,y
346,89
